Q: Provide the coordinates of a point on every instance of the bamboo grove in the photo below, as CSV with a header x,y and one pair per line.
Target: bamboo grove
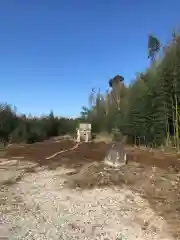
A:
x,y
147,110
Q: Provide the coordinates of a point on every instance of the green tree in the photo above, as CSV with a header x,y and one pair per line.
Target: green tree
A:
x,y
153,47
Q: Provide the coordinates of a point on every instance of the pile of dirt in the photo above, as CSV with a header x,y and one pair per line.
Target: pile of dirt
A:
x,y
87,153
98,175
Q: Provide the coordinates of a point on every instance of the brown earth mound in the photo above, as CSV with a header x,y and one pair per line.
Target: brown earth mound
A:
x,y
39,151
87,152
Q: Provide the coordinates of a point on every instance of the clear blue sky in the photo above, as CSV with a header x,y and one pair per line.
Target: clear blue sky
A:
x,y
51,49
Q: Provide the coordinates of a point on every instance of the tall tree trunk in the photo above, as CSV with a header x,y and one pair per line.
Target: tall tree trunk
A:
x,y
177,123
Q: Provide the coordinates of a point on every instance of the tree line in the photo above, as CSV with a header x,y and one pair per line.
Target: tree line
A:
x,y
147,110
23,129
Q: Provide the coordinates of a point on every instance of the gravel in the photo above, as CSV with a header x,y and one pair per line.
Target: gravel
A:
x,y
39,206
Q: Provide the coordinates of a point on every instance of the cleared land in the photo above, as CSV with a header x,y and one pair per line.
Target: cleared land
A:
x,y
72,195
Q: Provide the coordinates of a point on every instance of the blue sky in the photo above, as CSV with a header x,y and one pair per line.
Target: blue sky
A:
x,y
50,50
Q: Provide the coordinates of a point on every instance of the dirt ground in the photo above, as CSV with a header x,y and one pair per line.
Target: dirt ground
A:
x,y
140,201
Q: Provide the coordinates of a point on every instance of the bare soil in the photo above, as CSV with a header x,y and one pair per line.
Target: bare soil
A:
x,y
37,152
73,195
